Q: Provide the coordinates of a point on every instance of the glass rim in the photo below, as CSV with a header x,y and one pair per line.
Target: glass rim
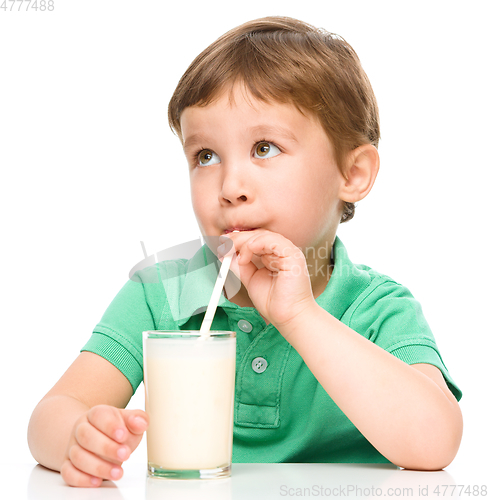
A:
x,y
159,334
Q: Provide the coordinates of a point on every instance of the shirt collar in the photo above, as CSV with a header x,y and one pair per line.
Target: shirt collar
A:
x,y
193,289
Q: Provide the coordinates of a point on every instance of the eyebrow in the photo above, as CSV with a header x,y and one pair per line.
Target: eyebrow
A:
x,y
265,130
191,141
258,130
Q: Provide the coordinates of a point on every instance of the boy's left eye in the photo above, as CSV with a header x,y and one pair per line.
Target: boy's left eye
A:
x,y
266,150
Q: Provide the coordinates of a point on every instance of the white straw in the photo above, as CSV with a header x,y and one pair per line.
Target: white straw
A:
x,y
216,293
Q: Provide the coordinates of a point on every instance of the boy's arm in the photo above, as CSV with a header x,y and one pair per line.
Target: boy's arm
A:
x,y
80,428
406,412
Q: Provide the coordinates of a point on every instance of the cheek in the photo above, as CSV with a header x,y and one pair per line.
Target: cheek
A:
x,y
199,200
325,197
324,184
313,207
315,193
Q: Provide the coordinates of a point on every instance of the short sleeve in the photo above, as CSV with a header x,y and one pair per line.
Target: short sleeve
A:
x,y
118,335
389,315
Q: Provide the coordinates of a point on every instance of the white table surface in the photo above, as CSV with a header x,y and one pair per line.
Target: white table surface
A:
x,y
248,482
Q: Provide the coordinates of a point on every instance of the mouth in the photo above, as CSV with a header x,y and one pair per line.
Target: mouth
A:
x,y
239,229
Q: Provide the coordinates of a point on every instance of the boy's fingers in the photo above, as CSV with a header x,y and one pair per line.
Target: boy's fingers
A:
x,y
258,242
95,441
74,477
136,421
93,465
226,245
107,419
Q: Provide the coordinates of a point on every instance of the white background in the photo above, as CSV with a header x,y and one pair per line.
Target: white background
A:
x,y
89,168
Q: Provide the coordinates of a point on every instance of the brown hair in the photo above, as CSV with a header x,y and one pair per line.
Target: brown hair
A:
x,y
288,61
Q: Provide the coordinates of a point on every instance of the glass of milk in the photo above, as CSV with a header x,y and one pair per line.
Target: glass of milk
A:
x,y
189,389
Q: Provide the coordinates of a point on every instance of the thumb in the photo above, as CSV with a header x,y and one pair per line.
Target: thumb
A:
x,y
136,421
244,272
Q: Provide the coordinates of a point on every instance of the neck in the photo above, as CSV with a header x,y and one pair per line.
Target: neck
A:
x,y
320,270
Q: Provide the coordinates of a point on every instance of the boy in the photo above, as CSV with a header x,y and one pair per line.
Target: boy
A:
x,y
335,362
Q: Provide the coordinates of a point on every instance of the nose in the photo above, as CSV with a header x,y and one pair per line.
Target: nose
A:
x,y
235,187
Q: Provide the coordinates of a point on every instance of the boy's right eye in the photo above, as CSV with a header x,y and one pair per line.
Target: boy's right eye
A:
x,y
207,157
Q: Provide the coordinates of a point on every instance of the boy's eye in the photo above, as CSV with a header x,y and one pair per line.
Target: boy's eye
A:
x,y
266,150
207,157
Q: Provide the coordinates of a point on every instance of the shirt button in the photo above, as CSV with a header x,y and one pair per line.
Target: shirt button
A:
x,y
259,365
245,326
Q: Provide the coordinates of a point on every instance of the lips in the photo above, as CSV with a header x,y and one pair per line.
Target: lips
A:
x,y
231,229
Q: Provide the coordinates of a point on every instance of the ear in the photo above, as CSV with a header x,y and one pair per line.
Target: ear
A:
x,y
362,168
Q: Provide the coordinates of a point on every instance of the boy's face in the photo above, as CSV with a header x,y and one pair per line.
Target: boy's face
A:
x,y
259,165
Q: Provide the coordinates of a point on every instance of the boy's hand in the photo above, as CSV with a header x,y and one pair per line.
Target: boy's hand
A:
x,y
280,288
101,440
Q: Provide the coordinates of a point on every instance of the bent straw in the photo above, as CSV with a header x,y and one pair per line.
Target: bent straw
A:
x,y
216,293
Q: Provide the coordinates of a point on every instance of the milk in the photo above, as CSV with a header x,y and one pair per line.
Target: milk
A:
x,y
189,387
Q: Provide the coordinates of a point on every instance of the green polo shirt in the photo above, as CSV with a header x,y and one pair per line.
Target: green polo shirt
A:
x,y
282,414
